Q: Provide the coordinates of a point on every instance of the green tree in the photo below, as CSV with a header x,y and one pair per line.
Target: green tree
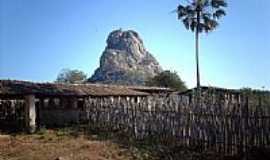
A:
x,y
167,79
201,16
71,76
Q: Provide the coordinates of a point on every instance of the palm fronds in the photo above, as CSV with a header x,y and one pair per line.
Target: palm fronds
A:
x,y
201,14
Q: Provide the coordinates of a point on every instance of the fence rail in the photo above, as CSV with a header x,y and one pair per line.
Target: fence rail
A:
x,y
225,123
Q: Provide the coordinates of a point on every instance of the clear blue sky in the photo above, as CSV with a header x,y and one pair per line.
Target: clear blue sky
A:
x,y
40,37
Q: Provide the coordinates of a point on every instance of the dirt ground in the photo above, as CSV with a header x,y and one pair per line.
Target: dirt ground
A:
x,y
58,145
69,144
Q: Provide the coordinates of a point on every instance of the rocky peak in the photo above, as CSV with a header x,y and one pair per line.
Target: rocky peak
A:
x,y
128,41
125,60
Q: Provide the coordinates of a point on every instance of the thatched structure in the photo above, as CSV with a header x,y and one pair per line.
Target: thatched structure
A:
x,y
49,103
227,121
9,88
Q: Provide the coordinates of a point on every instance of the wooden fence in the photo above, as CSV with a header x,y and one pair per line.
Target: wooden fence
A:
x,y
224,122
228,123
12,115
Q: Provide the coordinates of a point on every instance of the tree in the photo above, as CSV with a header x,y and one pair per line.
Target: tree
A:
x,y
167,79
71,76
201,16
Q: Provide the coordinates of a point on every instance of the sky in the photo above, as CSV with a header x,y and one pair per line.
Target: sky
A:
x,y
38,38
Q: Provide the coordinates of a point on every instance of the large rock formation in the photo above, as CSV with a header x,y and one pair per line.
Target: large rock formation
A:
x,y
125,60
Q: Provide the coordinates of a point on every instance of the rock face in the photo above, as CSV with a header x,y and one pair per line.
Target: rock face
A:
x,y
125,61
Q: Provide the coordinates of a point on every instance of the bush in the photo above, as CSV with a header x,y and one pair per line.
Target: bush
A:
x,y
167,79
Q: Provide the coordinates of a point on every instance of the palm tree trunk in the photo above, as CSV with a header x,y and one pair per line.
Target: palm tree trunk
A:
x,y
197,50
198,89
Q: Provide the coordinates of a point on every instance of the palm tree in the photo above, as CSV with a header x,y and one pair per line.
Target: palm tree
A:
x,y
201,16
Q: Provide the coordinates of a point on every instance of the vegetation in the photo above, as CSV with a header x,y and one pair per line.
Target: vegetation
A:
x,y
64,144
256,97
71,76
167,79
78,143
201,16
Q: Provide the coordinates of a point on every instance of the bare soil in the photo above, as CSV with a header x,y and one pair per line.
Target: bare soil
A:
x,y
70,144
53,145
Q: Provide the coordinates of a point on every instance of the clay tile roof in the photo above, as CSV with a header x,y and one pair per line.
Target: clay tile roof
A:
x,y
15,87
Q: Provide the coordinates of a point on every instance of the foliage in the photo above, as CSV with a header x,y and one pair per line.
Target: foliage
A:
x,y
201,15
71,76
256,96
136,76
167,79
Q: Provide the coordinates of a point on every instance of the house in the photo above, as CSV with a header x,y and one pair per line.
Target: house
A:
x,y
29,105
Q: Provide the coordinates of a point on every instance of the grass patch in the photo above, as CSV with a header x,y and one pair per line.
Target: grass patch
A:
x,y
67,143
